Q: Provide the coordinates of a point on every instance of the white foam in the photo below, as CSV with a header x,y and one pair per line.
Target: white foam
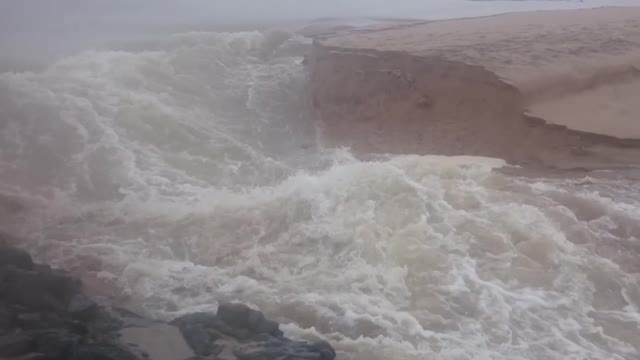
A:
x,y
171,166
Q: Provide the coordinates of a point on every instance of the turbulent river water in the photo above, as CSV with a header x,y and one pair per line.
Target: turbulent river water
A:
x,y
188,170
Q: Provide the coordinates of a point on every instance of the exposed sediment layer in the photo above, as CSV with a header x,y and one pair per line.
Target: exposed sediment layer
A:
x,y
554,87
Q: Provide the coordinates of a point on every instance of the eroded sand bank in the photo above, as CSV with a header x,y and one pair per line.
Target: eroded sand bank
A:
x,y
560,88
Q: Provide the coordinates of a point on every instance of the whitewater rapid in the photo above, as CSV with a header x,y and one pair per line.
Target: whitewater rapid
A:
x,y
188,171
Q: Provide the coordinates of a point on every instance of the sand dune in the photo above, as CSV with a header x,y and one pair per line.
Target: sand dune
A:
x,y
482,86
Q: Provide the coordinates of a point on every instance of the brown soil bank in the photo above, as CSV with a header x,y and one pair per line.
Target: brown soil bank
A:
x,y
560,88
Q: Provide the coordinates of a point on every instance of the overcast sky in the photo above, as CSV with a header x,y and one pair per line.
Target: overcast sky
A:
x,y
12,11
21,14
46,29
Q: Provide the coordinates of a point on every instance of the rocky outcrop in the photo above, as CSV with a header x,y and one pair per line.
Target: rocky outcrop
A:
x,y
44,314
241,332
547,88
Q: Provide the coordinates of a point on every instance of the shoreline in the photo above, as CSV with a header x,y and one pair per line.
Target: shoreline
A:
x,y
523,87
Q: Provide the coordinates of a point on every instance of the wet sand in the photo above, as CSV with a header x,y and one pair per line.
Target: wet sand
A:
x,y
553,87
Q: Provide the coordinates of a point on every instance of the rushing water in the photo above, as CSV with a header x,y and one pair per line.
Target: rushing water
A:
x,y
187,171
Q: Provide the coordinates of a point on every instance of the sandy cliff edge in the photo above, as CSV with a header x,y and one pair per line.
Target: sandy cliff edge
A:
x,y
559,88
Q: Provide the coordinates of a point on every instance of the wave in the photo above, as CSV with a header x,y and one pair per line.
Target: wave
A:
x,y
187,172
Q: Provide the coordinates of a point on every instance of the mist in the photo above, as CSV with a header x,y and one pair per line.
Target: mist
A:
x,y
36,32
455,190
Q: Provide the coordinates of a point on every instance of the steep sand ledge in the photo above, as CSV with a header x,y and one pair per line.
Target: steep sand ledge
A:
x,y
560,88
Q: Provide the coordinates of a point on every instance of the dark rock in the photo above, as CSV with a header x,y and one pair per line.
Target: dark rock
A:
x,y
277,348
102,325
57,321
202,319
201,340
119,318
43,268
241,316
325,349
10,256
234,320
254,337
159,342
38,290
41,321
121,312
55,344
14,345
81,304
101,352
200,330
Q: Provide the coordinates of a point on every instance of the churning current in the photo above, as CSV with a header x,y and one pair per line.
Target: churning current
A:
x,y
188,171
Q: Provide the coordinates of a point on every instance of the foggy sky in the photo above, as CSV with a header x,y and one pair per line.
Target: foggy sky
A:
x,y
42,30
23,13
13,11
39,31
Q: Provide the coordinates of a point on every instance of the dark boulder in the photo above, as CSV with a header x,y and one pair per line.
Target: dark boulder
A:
x,y
44,314
240,316
55,344
247,334
279,348
81,304
11,256
235,320
38,290
41,322
201,331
